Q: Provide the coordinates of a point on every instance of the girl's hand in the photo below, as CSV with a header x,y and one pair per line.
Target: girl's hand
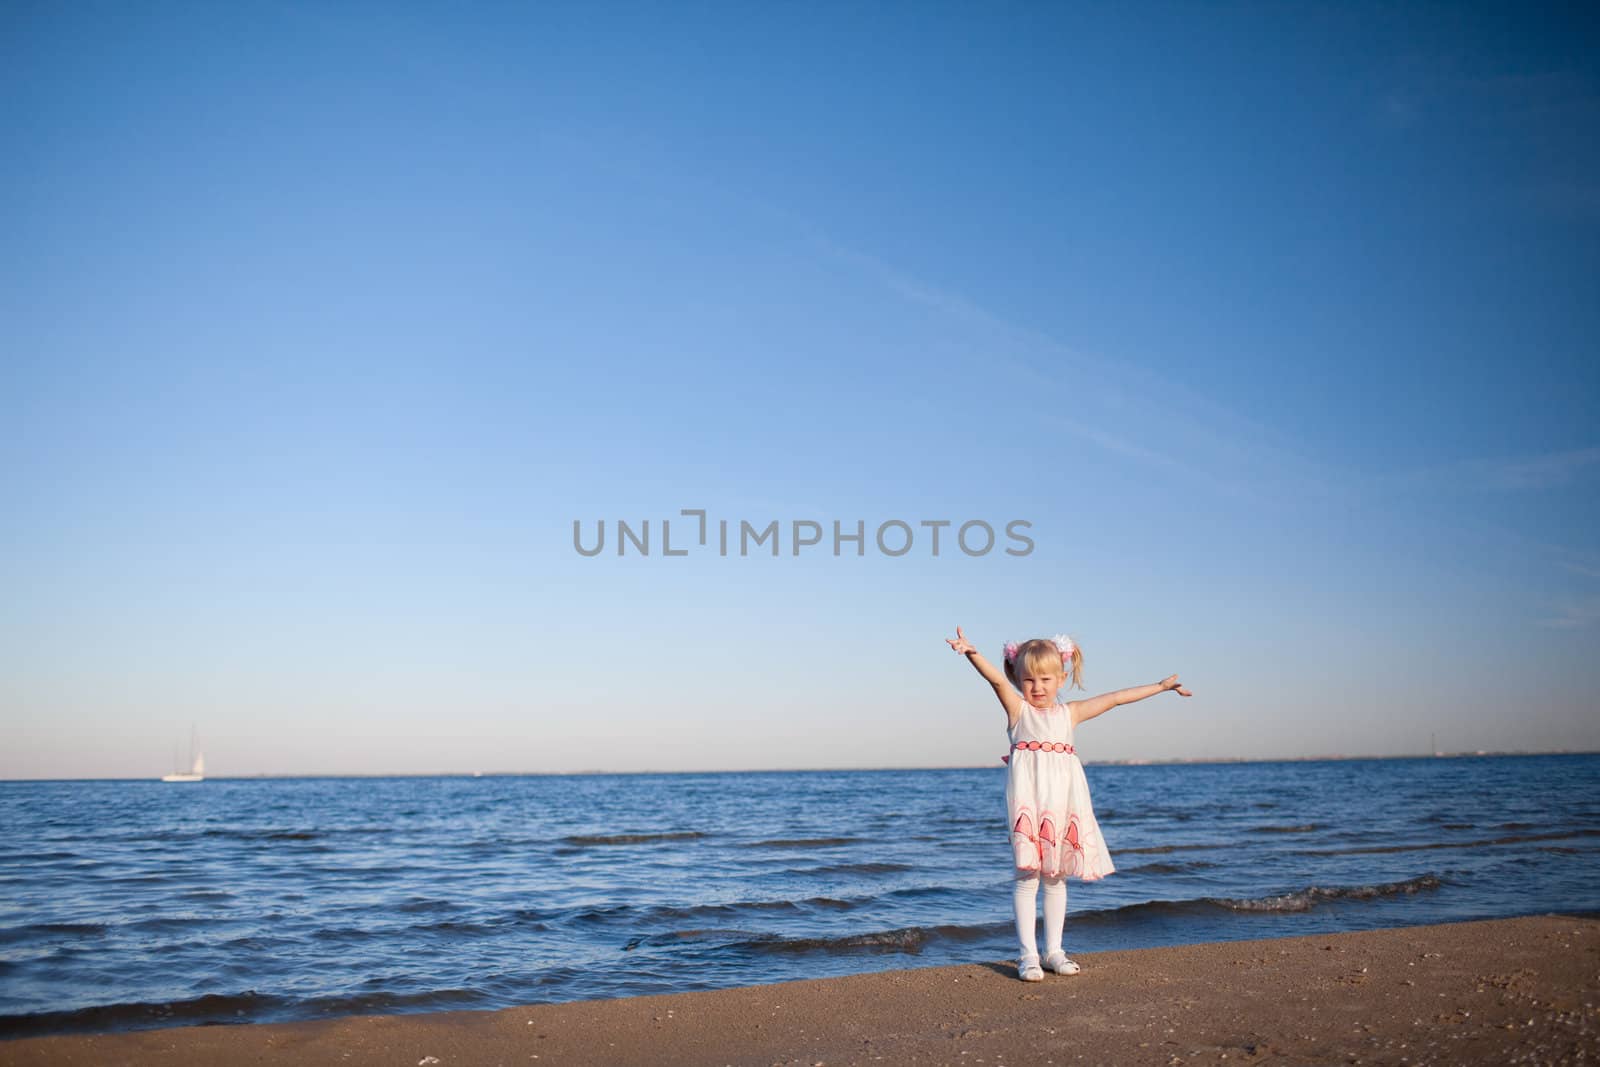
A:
x,y
1171,683
959,643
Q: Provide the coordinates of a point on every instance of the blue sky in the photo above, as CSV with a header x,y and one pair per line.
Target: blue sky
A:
x,y
324,323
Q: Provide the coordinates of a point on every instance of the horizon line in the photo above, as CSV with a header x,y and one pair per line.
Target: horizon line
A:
x,y
1326,758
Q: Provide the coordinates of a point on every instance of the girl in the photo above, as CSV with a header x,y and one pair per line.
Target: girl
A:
x,y
1052,825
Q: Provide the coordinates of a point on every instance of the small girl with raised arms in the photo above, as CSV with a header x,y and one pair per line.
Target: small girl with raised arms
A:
x,y
1050,821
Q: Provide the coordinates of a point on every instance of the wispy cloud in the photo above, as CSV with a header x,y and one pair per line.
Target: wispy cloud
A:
x,y
1503,474
1577,605
1541,114
1574,614
1201,441
1196,436
1190,434
1539,472
1582,610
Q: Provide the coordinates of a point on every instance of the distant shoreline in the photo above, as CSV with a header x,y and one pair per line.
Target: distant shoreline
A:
x,y
831,770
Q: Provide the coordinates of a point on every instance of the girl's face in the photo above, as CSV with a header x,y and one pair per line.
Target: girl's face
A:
x,y
1039,687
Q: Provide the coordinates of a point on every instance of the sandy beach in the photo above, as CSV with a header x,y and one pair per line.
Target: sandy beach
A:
x,y
1507,991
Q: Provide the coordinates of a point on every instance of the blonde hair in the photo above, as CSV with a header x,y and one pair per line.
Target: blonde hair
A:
x,y
1040,653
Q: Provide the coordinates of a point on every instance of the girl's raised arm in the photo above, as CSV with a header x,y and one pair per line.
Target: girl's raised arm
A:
x,y
1010,699
1088,709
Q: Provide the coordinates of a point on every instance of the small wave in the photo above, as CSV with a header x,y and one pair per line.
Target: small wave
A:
x,y
1513,839
1299,828
629,915
450,926
264,835
1162,850
1301,900
1168,868
910,939
916,892
200,895
808,842
350,934
632,839
738,906
1308,898
673,937
214,1007
603,914
855,868
1156,816
15,934
258,943
427,904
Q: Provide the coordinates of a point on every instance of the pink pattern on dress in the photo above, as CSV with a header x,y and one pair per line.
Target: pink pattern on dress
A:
x,y
1024,845
1051,820
1049,848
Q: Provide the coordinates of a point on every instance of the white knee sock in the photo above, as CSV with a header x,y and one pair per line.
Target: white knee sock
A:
x,y
1022,901
1055,912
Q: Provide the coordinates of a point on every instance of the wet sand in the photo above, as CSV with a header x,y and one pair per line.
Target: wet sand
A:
x,y
1506,991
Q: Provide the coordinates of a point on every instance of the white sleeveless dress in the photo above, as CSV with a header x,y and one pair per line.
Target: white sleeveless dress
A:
x,y
1051,822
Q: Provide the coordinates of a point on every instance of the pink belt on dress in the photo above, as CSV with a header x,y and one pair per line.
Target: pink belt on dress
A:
x,y
1037,746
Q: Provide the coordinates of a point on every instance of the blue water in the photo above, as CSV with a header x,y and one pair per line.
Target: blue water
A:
x,y
132,904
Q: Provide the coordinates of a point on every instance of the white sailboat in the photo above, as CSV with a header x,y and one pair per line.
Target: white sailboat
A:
x,y
197,765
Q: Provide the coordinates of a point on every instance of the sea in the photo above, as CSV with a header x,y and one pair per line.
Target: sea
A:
x,y
134,904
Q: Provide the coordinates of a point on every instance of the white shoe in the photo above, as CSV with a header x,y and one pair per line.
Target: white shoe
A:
x,y
1028,969
1057,961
